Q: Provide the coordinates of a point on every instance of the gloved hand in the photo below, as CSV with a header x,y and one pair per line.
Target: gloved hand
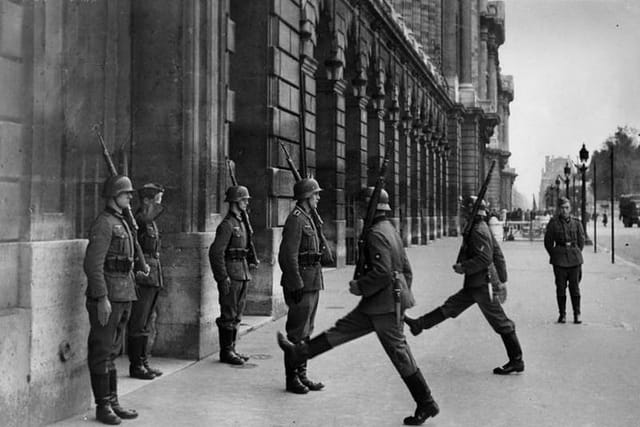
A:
x,y
296,295
458,268
354,288
225,286
500,292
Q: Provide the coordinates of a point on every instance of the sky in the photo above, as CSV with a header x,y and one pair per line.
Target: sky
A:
x,y
576,70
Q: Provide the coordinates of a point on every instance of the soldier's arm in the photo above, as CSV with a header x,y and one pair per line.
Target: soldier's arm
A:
x,y
99,242
548,237
289,249
580,242
499,261
480,243
379,275
217,249
406,269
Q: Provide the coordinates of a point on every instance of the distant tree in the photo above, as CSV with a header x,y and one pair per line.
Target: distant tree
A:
x,y
624,144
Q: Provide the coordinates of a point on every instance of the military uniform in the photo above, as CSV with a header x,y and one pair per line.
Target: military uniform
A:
x,y
228,259
564,241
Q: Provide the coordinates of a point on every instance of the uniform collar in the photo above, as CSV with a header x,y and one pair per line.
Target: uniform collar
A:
x,y
114,212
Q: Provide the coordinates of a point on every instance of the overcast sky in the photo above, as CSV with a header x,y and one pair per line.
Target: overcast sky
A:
x,y
576,70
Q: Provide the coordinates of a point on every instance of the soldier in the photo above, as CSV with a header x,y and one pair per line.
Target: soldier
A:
x,y
299,259
230,259
474,261
387,269
142,310
109,265
564,241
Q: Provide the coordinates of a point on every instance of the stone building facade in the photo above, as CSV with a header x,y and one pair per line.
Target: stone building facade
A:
x,y
176,88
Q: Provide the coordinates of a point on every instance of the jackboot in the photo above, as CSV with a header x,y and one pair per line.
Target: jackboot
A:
x,y
125,414
302,375
427,407
242,356
562,308
226,347
514,352
145,357
135,348
575,303
100,388
298,353
427,321
293,383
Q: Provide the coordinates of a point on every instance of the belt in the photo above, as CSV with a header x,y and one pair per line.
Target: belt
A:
x,y
235,254
307,260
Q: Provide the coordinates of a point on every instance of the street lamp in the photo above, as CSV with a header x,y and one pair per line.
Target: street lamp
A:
x,y
584,156
558,188
567,174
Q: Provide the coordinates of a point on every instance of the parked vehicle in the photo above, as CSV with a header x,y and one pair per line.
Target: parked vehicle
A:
x,y
630,209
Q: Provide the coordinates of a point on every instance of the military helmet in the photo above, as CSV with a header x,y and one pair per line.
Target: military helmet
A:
x,y
115,185
467,204
150,190
383,201
236,193
304,188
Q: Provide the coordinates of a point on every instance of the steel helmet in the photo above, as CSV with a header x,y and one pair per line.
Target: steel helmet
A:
x,y
468,202
383,201
115,185
150,190
236,193
304,188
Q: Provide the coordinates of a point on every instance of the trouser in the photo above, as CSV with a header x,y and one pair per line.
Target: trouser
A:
x,y
491,310
570,276
391,335
301,316
232,304
105,342
141,311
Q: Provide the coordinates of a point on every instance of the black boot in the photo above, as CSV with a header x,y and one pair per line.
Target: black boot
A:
x,y
427,321
562,308
293,383
100,387
145,358
242,356
226,350
427,407
135,348
514,351
299,353
575,302
302,375
125,414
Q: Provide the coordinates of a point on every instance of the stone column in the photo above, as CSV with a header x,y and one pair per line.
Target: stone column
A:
x,y
416,193
467,91
482,64
392,134
493,72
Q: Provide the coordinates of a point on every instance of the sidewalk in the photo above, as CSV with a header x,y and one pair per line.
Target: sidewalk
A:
x,y
576,375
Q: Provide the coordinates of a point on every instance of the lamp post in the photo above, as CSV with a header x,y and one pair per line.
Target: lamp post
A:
x,y
557,188
567,174
584,156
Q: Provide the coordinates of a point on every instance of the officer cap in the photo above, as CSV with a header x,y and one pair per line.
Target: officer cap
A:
x,y
304,188
150,190
115,185
236,193
563,201
383,201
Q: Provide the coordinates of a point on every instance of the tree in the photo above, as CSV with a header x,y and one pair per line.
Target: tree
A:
x,y
624,144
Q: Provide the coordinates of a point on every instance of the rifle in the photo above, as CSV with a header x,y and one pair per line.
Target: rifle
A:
x,y
476,205
252,256
315,216
128,215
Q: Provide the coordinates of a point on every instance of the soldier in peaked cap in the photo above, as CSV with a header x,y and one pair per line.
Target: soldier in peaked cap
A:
x,y
142,310
474,260
109,265
230,260
299,258
387,270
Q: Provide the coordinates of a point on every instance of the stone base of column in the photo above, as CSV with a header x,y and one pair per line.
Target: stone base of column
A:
x,y
453,228
424,230
407,231
432,227
467,95
439,227
416,237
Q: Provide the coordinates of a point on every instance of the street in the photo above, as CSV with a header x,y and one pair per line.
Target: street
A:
x,y
576,375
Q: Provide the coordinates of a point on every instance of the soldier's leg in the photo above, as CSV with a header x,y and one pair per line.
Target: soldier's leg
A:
x,y
452,307
574,277
241,304
122,311
155,291
297,327
560,274
395,345
138,334
227,323
302,367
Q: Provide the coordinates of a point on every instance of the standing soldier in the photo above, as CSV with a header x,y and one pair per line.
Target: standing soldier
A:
x,y
149,286
474,262
230,259
387,271
109,264
299,259
564,241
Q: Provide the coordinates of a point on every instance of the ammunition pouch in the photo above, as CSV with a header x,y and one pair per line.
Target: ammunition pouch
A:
x,y
235,254
309,259
118,264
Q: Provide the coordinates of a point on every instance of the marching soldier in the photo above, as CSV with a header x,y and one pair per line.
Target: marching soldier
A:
x,y
564,241
109,266
299,258
474,261
230,259
387,270
149,286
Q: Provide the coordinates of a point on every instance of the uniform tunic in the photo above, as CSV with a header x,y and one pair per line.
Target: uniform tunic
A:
x,y
564,241
228,259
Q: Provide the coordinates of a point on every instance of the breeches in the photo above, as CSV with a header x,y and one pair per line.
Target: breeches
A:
x,y
301,316
105,341
570,276
491,310
232,304
391,335
141,311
